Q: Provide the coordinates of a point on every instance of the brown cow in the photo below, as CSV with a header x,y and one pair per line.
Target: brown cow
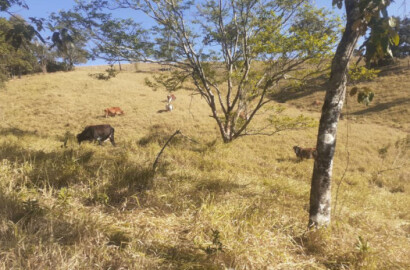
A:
x,y
113,111
307,153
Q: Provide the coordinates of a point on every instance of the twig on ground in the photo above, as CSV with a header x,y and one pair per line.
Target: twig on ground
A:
x,y
154,166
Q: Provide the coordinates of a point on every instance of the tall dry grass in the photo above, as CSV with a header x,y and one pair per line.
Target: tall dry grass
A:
x,y
210,205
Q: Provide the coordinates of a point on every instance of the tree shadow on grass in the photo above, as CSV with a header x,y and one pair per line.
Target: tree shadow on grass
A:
x,y
191,193
145,71
55,169
159,134
187,257
67,166
127,182
392,69
216,186
382,106
17,132
312,86
33,218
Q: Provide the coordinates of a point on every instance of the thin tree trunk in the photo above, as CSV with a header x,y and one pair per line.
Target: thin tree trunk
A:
x,y
44,66
320,193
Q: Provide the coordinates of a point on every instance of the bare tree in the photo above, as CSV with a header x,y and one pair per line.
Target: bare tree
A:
x,y
235,52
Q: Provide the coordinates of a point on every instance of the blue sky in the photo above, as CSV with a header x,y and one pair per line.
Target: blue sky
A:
x,y
43,8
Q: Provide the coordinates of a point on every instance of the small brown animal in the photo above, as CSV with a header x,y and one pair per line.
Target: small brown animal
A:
x,y
316,103
171,98
113,111
307,153
244,115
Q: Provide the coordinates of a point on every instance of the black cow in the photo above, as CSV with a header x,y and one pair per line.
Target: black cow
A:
x,y
99,133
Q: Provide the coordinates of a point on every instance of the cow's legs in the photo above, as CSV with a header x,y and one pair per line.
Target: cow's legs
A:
x,y
112,137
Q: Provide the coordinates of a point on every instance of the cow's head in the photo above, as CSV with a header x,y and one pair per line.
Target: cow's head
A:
x,y
80,137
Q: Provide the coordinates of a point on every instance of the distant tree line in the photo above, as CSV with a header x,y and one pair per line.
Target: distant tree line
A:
x,y
23,50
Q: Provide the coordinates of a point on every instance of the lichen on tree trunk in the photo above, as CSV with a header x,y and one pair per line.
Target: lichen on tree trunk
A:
x,y
320,194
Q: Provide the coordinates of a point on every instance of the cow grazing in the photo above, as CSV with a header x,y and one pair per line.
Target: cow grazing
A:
x,y
169,107
171,98
307,153
113,111
100,133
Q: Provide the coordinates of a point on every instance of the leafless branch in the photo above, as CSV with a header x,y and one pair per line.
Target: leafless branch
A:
x,y
154,166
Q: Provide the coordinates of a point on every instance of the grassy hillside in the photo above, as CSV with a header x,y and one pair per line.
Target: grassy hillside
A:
x,y
210,205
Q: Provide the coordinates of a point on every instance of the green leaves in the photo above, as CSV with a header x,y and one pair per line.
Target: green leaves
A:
x,y
313,33
382,31
361,74
394,38
402,47
170,81
365,94
18,58
20,34
6,4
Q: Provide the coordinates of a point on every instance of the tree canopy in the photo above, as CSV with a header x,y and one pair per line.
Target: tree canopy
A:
x,y
403,29
16,56
69,42
235,53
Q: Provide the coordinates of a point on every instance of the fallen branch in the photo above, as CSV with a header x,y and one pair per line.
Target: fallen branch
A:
x,y
154,166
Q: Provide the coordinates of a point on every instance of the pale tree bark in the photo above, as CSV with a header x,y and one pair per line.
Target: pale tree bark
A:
x,y
320,194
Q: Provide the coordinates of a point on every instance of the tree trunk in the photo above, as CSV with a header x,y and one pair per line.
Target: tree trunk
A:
x,y
44,66
320,193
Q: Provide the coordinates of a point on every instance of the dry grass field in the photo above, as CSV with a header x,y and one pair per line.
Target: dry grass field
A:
x,y
210,205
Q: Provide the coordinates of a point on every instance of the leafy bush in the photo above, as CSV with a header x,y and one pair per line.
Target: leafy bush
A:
x,y
111,73
54,66
365,95
3,78
362,74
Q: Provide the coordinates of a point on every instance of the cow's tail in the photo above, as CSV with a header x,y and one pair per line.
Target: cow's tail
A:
x,y
112,136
